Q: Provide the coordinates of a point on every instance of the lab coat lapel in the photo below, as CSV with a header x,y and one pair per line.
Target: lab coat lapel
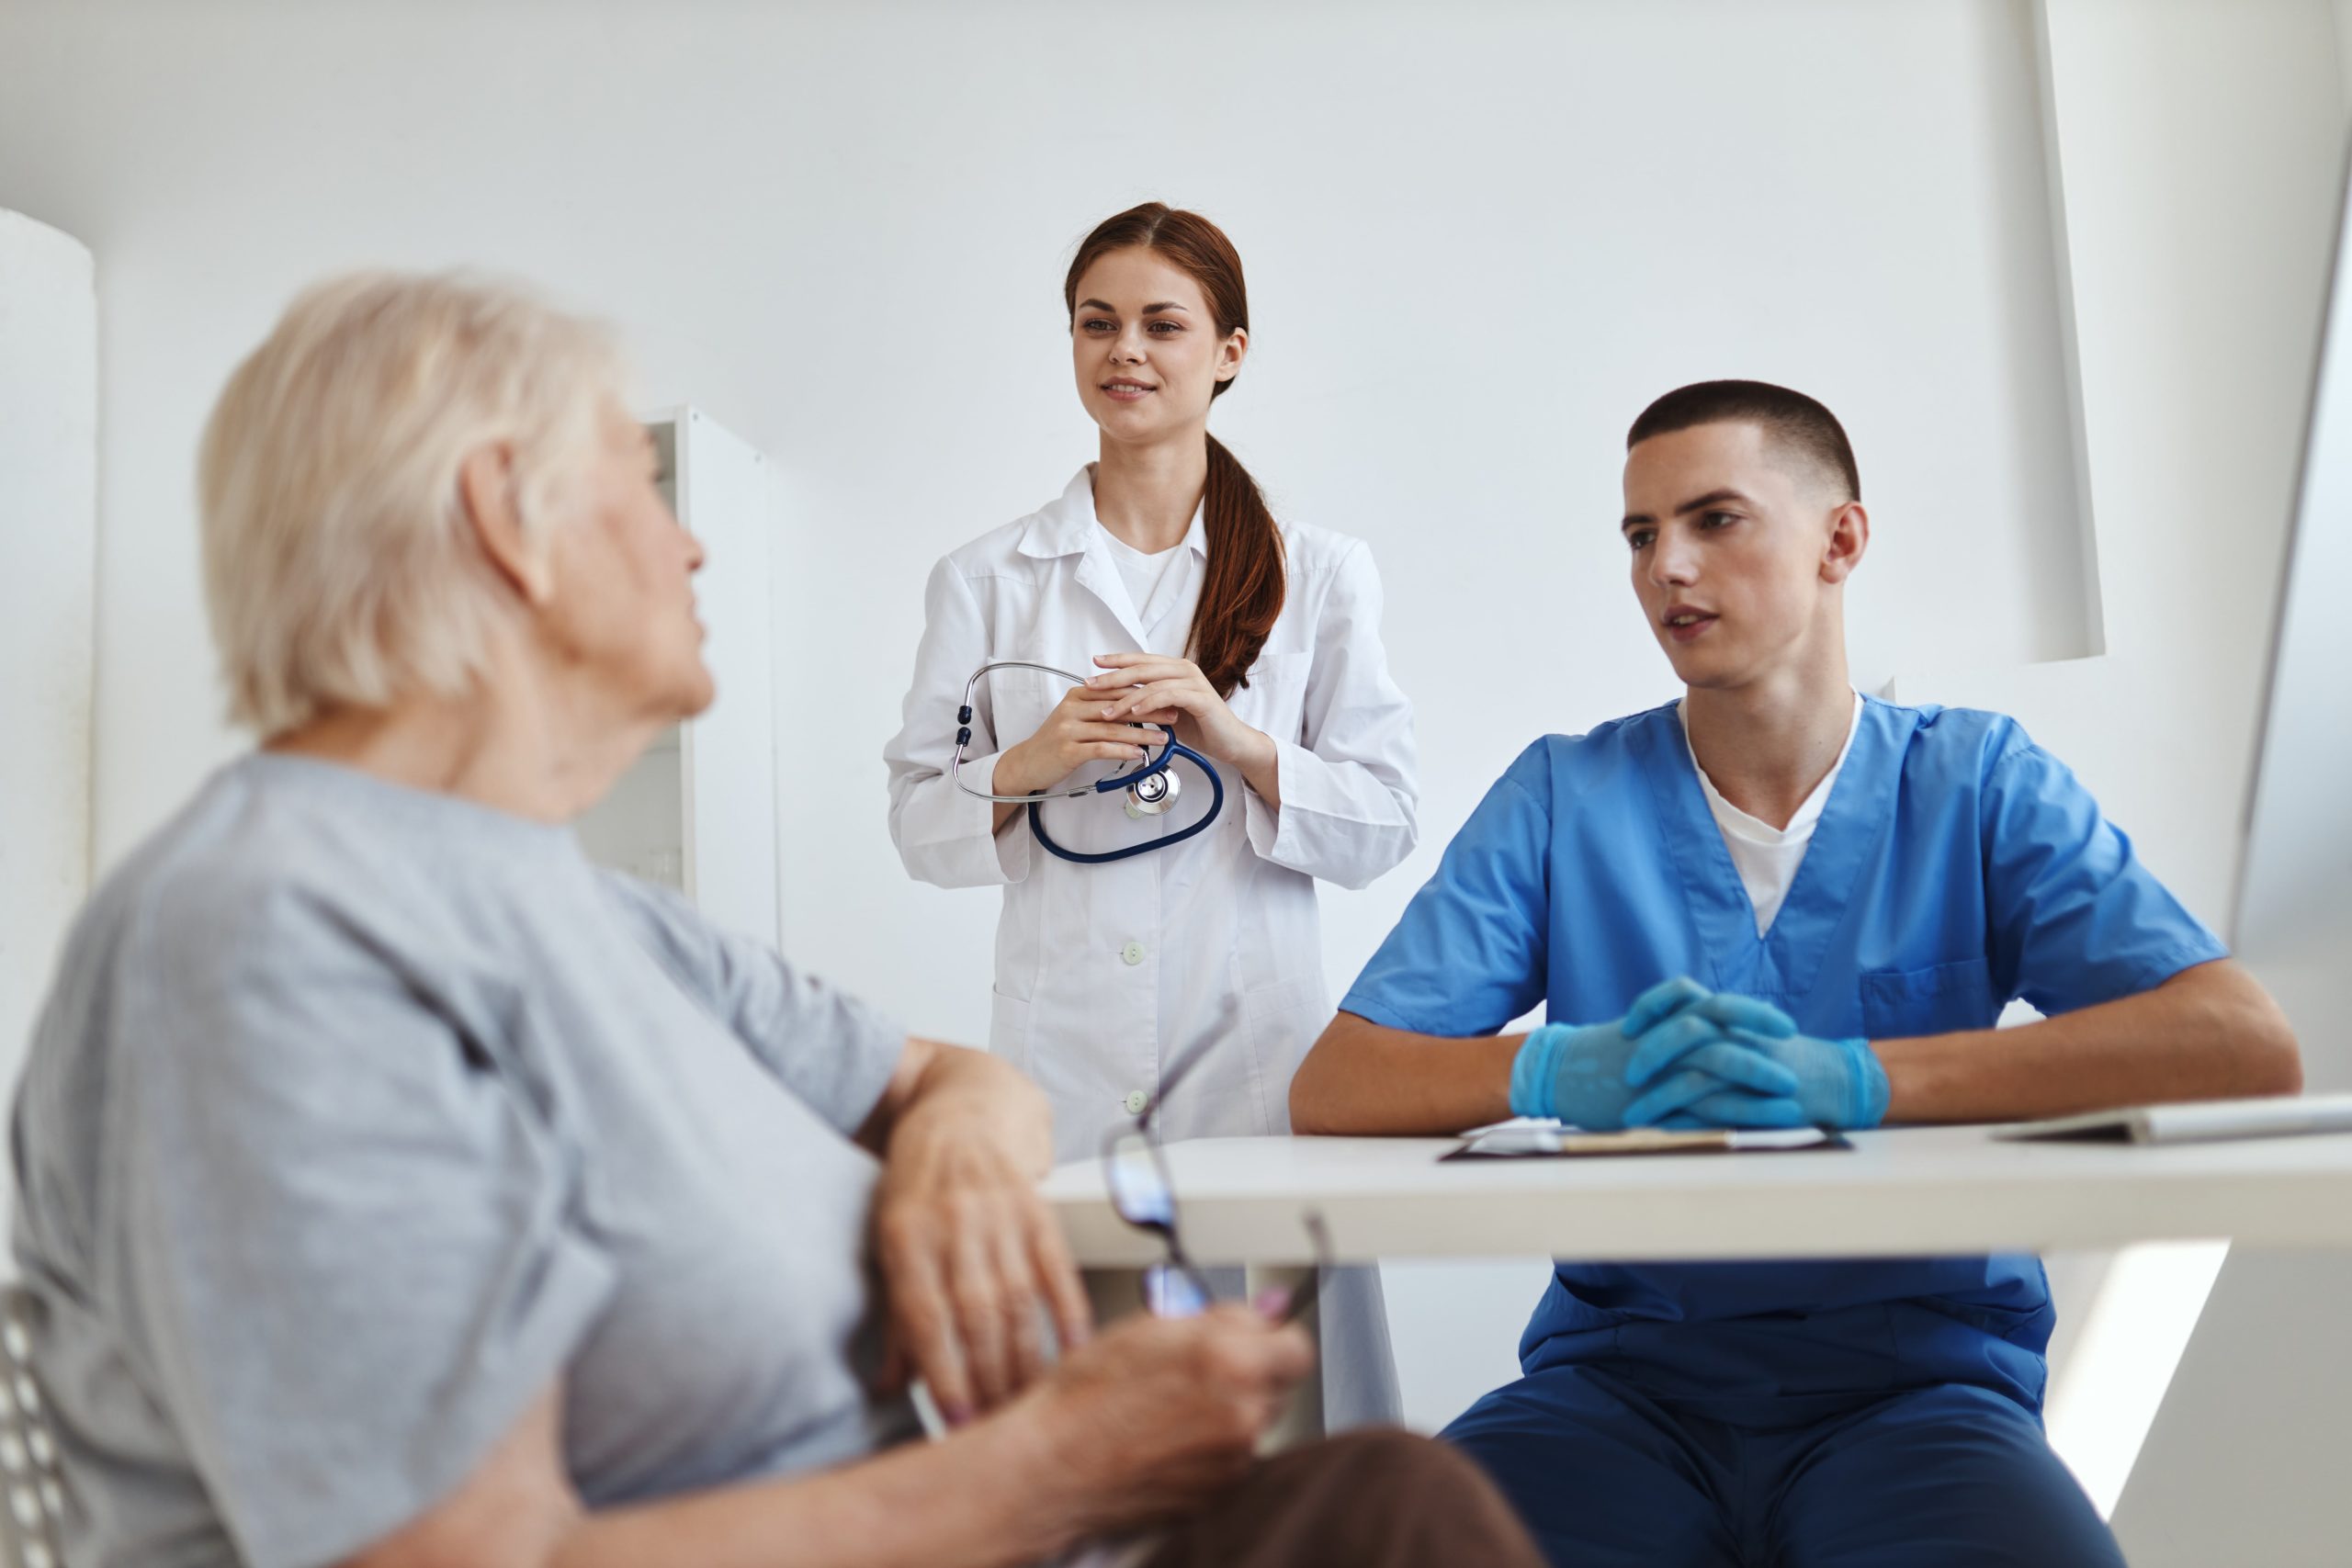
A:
x,y
1177,581
1720,912
1099,575
1075,530
1854,820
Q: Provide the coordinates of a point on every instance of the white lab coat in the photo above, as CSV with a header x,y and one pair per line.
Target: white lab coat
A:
x,y
1107,974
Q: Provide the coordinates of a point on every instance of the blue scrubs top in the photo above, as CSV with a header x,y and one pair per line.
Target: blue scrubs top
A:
x,y
1955,866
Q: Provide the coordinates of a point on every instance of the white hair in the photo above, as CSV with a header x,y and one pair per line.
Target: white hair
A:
x,y
340,567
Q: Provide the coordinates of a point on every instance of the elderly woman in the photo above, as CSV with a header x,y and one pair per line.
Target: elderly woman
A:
x,y
399,1189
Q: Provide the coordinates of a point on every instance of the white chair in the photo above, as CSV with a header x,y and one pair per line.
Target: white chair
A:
x,y
32,1491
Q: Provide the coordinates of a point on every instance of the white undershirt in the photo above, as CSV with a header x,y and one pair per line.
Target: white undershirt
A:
x,y
1142,572
1767,857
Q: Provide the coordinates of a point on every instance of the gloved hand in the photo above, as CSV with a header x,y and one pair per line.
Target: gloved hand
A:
x,y
1584,1074
1838,1083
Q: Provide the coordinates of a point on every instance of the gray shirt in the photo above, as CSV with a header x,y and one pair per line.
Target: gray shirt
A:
x,y
359,1115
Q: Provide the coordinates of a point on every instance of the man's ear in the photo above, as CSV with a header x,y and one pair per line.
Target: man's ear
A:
x,y
486,486
1849,537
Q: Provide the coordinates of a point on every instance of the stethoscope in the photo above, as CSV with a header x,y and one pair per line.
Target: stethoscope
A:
x,y
1151,789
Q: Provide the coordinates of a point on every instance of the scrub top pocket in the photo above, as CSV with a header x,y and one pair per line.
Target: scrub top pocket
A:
x,y
1900,1003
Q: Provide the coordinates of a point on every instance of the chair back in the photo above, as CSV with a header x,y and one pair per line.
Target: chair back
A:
x,y
32,1490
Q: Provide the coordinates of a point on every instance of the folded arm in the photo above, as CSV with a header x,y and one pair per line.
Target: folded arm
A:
x,y
956,1503
1366,1078
967,1245
1148,1424
2209,1032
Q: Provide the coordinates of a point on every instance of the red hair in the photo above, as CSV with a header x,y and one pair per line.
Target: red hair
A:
x,y
1243,591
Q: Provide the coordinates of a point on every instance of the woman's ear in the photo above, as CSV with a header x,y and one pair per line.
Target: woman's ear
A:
x,y
486,486
1231,352
1849,537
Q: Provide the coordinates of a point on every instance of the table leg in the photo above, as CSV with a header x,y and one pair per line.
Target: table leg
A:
x,y
1301,1421
1113,1294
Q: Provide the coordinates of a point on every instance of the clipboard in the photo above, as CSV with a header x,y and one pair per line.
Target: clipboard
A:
x,y
1524,1140
2194,1122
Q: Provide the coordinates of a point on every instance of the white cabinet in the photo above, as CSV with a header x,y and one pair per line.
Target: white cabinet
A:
x,y
697,812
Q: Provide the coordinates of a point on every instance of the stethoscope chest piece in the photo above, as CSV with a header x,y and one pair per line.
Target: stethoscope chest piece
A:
x,y
1153,793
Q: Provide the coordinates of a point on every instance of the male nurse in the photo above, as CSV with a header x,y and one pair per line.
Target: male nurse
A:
x,y
1773,903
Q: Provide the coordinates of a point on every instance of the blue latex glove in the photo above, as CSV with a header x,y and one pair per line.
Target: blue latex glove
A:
x,y
1582,1073
1838,1083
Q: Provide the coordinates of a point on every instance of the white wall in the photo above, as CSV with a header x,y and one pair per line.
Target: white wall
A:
x,y
48,473
1480,235
2344,38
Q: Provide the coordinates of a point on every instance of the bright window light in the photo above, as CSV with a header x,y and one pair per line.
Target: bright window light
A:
x,y
2133,1338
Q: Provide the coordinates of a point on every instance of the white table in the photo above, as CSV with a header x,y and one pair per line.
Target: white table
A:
x,y
1905,1191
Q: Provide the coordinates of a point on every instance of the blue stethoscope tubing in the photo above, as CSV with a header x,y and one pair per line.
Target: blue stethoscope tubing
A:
x,y
1135,782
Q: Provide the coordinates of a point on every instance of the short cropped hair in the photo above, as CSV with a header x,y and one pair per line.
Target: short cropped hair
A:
x,y
1791,419
340,569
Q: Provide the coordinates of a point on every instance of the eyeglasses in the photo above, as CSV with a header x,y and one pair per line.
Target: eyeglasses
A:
x,y
1143,1193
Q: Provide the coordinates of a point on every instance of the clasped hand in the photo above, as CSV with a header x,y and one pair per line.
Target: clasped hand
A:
x,y
1683,1057
1152,688
1134,705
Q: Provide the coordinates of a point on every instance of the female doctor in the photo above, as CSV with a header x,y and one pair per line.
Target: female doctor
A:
x,y
1160,574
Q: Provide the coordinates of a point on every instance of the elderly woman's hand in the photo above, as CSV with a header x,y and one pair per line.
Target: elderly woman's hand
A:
x,y
969,1252
1160,1414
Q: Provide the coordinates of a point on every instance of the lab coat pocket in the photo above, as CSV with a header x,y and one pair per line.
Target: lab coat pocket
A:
x,y
1009,1031
1280,1021
1942,997
1019,701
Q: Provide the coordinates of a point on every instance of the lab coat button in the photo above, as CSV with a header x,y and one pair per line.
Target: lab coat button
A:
x,y
1135,1102
1132,952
